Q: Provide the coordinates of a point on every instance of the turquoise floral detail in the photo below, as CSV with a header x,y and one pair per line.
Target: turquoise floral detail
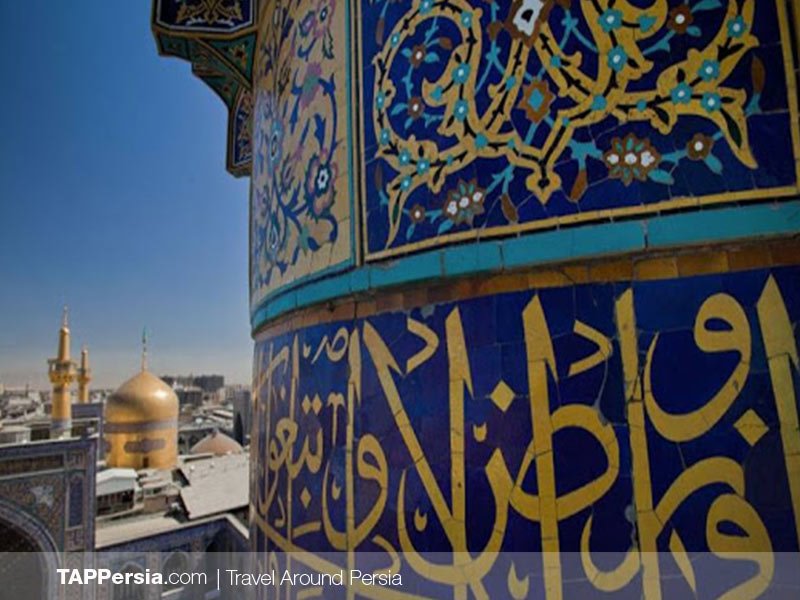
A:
x,y
712,101
610,20
599,103
682,94
423,166
466,19
646,22
617,58
404,157
380,101
709,70
386,136
737,27
461,73
461,110
425,6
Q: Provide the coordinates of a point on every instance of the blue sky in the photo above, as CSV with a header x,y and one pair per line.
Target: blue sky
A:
x,y
114,199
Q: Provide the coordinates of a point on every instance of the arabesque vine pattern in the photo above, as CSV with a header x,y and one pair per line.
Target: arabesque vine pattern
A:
x,y
299,150
483,112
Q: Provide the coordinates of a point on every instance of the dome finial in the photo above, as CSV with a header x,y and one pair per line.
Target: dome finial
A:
x,y
144,349
65,317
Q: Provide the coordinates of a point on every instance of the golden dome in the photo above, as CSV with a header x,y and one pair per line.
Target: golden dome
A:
x,y
218,444
143,398
141,424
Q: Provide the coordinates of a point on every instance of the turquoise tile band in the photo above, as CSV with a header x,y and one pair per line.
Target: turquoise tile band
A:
x,y
551,247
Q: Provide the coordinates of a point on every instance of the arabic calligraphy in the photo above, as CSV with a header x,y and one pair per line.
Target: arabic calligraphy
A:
x,y
550,421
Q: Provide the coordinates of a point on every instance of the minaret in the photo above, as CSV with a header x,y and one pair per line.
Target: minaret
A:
x,y
62,373
84,377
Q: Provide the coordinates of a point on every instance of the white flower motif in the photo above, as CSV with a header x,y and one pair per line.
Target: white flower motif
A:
x,y
647,158
465,202
322,178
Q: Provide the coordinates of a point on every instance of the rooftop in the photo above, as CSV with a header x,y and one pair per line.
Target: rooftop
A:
x,y
212,487
217,484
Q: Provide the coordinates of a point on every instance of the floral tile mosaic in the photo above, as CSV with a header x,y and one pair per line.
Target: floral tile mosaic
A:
x,y
485,117
301,215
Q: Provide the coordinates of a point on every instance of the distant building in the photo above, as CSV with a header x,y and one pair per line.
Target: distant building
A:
x,y
189,396
116,491
208,383
241,400
201,423
217,443
152,509
19,404
191,433
14,434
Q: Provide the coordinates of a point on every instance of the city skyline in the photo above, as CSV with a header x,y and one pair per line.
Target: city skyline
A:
x,y
129,225
117,364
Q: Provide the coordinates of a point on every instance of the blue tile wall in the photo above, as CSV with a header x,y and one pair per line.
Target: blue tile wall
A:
x,y
411,417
